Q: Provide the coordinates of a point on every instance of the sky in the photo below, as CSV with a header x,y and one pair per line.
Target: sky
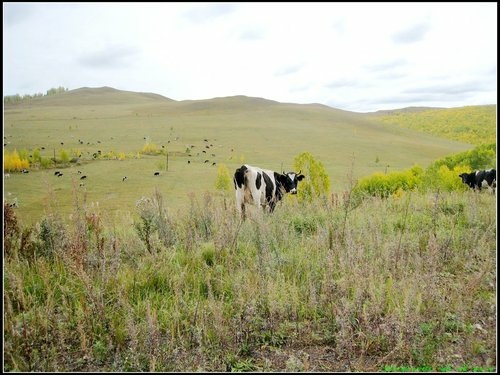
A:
x,y
360,57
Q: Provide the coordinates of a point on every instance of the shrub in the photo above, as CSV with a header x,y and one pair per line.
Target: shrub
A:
x,y
10,229
223,181
317,181
64,156
12,161
150,149
384,185
37,157
445,178
481,157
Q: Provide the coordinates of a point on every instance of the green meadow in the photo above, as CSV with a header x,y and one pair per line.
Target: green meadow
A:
x,y
160,274
238,130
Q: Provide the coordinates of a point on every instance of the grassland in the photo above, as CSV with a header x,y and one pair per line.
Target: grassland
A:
x,y
159,273
403,282
240,129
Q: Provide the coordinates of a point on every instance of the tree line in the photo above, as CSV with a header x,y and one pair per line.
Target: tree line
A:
x,y
19,98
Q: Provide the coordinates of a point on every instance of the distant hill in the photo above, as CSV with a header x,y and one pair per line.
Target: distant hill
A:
x,y
471,124
404,110
93,96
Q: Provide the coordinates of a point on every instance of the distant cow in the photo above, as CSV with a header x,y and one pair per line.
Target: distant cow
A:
x,y
157,173
83,177
262,187
479,179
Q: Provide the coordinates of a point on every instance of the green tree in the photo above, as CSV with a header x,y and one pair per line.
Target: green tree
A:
x,y
64,156
54,91
317,182
37,156
223,179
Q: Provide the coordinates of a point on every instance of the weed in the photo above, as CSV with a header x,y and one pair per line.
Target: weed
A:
x,y
226,291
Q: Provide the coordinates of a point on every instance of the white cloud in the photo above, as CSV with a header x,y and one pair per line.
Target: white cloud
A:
x,y
356,56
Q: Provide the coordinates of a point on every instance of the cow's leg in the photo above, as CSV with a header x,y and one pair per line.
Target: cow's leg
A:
x,y
272,205
256,197
240,200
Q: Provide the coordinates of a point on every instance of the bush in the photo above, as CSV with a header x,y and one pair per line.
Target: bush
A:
x,y
445,179
481,157
317,181
223,181
443,174
383,185
12,161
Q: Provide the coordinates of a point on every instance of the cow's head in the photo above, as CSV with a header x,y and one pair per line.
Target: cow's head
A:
x,y
290,180
467,178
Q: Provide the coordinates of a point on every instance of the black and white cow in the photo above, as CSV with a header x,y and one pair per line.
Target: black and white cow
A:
x,y
262,187
479,179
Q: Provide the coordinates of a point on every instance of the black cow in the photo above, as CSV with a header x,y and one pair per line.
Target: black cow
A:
x,y
263,187
479,179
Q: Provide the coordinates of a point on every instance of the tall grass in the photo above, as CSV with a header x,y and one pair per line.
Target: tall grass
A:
x,y
402,281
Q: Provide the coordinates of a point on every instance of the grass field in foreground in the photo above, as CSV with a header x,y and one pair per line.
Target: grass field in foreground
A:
x,y
407,281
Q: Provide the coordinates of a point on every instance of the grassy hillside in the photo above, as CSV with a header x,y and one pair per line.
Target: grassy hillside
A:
x,y
471,124
237,129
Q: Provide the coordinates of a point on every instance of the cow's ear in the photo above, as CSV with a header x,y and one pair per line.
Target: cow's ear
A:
x,y
300,177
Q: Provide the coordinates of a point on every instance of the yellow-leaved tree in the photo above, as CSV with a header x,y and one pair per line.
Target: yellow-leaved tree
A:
x,y
13,162
317,181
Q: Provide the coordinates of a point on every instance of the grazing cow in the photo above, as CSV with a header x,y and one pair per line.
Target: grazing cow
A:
x,y
83,177
262,187
124,178
157,173
479,179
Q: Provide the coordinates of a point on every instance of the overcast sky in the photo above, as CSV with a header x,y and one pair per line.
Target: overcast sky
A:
x,y
355,56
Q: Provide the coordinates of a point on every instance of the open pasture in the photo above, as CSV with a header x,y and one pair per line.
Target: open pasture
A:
x,y
229,131
182,284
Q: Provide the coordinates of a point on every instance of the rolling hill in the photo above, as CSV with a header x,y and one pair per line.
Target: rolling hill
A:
x,y
238,129
470,124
